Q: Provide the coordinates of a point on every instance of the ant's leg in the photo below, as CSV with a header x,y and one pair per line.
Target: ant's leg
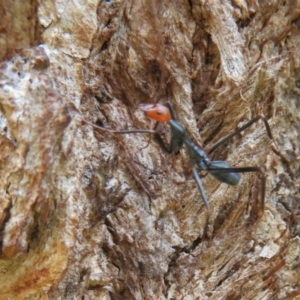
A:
x,y
162,144
177,138
261,170
227,138
200,187
153,131
155,128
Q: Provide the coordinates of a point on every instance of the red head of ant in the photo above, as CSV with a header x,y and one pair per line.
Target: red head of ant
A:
x,y
157,112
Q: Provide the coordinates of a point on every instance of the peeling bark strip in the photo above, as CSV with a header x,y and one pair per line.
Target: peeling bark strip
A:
x,y
34,121
77,210
225,34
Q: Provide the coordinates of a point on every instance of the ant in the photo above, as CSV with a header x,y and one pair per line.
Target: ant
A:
x,y
221,170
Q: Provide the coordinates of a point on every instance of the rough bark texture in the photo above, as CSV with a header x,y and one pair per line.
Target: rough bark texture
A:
x,y
90,215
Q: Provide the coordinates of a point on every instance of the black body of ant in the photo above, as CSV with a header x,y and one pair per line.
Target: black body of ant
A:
x,y
221,170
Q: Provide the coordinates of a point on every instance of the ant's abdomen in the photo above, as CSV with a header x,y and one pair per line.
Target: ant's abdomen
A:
x,y
218,168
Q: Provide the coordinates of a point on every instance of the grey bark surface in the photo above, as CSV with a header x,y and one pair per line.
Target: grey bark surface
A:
x,y
86,214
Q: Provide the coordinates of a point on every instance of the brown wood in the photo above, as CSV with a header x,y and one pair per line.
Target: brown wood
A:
x,y
92,215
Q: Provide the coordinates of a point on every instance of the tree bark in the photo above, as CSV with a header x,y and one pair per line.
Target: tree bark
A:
x,y
88,214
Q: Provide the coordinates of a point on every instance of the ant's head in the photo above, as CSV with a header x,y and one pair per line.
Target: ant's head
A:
x,y
156,112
